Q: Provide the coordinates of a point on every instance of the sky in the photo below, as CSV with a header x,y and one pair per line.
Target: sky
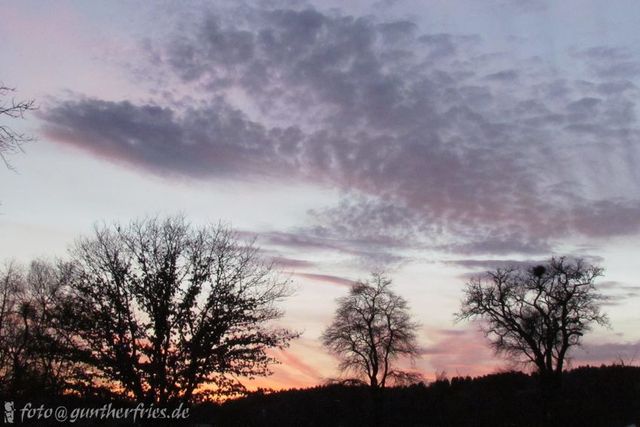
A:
x,y
432,140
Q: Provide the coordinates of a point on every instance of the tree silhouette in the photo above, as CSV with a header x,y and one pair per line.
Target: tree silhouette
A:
x,y
32,359
10,288
11,141
536,314
168,312
370,330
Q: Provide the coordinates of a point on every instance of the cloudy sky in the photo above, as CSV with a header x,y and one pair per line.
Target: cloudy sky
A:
x,y
430,139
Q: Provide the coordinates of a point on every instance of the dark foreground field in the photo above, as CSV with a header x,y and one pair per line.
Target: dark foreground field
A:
x,y
606,396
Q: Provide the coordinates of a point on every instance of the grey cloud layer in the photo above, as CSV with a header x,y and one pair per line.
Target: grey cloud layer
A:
x,y
428,134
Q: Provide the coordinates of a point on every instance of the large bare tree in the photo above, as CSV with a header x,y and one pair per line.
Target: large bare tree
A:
x,y
11,141
536,314
372,328
168,312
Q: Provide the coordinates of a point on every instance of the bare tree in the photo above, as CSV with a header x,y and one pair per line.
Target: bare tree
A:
x,y
370,330
168,312
31,355
536,315
11,286
11,141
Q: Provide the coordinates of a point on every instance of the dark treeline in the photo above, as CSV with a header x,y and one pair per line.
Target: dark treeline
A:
x,y
607,396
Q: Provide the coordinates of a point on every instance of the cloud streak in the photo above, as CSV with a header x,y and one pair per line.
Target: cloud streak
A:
x,y
334,280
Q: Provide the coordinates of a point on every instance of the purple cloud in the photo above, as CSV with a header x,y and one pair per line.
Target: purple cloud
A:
x,y
432,140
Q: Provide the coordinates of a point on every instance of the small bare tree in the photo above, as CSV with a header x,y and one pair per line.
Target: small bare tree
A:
x,y
536,314
164,311
371,328
31,356
11,141
11,288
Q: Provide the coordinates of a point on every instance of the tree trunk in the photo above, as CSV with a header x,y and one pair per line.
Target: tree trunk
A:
x,y
550,384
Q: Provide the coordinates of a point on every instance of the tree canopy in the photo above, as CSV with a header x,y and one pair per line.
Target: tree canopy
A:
x,y
372,328
536,314
171,312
